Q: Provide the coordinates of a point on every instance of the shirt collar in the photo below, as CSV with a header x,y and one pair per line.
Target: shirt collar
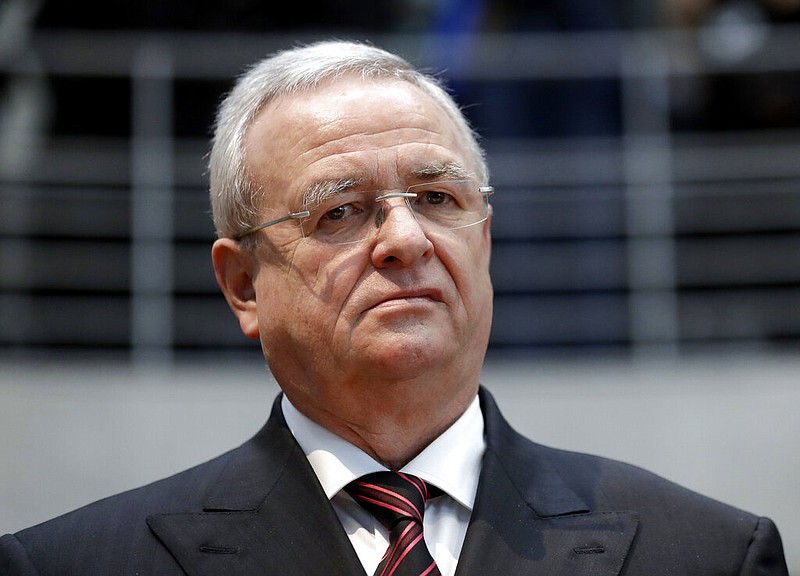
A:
x,y
452,462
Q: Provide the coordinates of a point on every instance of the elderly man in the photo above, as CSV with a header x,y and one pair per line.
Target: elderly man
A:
x,y
352,205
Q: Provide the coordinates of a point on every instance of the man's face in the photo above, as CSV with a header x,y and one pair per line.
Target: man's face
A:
x,y
343,323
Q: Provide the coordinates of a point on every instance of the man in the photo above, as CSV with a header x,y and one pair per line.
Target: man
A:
x,y
351,201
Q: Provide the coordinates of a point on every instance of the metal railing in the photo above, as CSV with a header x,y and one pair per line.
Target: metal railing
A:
x,y
647,238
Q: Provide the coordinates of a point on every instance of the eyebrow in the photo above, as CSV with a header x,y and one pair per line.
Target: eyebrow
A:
x,y
320,191
447,170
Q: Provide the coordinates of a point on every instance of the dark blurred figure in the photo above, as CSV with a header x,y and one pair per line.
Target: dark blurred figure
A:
x,y
534,107
729,32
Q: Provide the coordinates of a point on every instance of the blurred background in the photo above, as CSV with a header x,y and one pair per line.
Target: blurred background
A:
x,y
646,259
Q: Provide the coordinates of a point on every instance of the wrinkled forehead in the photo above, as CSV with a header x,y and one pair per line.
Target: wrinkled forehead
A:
x,y
390,94
355,132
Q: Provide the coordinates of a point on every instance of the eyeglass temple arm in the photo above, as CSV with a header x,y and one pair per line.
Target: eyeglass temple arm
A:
x,y
292,216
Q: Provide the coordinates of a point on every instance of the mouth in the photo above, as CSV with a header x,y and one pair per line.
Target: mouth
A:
x,y
409,298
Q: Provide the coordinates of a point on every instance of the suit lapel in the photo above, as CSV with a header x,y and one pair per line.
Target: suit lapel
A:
x,y
266,514
527,519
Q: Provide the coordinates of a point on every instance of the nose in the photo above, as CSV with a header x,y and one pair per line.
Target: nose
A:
x,y
400,240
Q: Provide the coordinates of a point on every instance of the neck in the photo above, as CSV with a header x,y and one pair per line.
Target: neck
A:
x,y
391,427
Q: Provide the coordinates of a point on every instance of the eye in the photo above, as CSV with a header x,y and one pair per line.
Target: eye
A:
x,y
436,197
339,213
343,210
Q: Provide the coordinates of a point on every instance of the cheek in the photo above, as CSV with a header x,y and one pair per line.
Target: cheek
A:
x,y
468,265
479,299
308,294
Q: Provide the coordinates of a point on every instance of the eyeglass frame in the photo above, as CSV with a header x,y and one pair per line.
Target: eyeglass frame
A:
x,y
486,191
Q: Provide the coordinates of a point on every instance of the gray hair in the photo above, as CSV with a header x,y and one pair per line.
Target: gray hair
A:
x,y
234,199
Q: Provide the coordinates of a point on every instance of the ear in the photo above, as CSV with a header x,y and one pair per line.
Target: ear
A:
x,y
235,269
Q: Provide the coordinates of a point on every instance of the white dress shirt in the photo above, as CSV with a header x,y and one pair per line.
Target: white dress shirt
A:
x,y
452,463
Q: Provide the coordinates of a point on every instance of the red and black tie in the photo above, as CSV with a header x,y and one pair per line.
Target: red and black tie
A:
x,y
397,500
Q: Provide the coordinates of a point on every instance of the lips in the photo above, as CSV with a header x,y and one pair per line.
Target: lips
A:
x,y
409,296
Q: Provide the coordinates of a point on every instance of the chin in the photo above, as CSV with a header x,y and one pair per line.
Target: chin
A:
x,y
408,354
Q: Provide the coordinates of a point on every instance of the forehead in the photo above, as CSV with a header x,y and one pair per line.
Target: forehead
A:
x,y
380,132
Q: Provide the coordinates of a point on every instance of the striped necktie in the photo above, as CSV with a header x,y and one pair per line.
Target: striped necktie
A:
x,y
397,500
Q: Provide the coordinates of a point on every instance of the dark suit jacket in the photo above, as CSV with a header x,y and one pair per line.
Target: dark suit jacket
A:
x,y
259,510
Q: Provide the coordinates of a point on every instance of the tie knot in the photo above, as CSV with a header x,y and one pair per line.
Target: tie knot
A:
x,y
390,496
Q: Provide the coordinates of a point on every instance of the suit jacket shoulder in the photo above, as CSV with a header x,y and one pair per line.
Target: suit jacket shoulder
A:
x,y
105,531
217,518
575,512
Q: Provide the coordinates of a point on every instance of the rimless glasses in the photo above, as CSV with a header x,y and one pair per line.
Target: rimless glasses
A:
x,y
349,217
